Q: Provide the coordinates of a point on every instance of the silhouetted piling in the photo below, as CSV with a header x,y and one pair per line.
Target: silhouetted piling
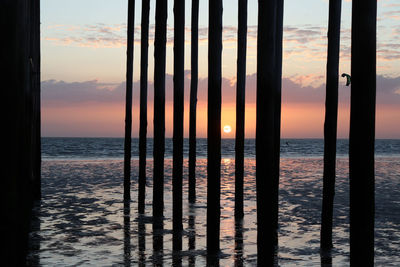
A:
x,y
179,52
266,160
159,107
158,241
277,115
141,241
128,100
144,55
35,80
214,126
240,106
330,126
193,100
362,132
20,75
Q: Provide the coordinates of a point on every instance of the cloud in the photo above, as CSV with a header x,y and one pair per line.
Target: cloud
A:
x,y
60,92
301,42
295,89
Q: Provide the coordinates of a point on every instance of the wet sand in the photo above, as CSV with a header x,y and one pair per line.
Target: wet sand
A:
x,y
80,220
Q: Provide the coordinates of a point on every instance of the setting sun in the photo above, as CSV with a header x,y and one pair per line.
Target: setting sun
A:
x,y
227,128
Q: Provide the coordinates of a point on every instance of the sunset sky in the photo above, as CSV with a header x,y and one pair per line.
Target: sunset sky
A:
x,y
84,61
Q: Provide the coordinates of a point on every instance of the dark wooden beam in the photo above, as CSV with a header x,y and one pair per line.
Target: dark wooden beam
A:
x,y
193,100
362,132
128,100
159,107
179,64
144,56
35,81
269,67
20,75
330,126
240,106
214,125
278,107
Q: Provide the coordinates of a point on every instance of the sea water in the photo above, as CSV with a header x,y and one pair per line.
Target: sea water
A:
x,y
80,219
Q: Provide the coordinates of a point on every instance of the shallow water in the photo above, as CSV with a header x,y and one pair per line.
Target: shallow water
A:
x,y
66,148
80,220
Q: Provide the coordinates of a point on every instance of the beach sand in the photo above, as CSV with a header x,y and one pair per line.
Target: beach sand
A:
x,y
80,220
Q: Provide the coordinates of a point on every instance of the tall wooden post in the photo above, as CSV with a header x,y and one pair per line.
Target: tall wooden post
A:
x,y
35,80
179,53
214,125
20,75
240,106
278,106
362,132
330,126
268,119
128,100
193,100
144,55
159,107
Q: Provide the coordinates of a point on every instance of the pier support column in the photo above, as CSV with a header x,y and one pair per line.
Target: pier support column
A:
x,y
362,132
214,126
144,55
240,107
269,71
128,101
330,125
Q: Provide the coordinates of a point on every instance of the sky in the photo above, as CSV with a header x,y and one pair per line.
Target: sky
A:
x,y
83,48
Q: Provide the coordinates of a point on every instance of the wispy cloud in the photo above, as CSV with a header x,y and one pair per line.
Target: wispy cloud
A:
x,y
296,89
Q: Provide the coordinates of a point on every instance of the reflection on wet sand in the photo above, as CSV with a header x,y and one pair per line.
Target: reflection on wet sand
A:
x,y
192,234
238,242
326,258
141,241
177,240
213,259
127,233
158,240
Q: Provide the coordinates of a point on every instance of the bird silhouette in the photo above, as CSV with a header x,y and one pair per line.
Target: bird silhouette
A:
x,y
348,78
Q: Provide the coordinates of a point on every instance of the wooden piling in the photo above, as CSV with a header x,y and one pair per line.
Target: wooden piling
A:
x,y
278,106
362,132
330,126
193,100
20,74
159,107
144,55
35,80
268,71
214,126
240,106
179,53
128,100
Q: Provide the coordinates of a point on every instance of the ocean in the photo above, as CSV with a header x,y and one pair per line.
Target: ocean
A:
x,y
113,148
80,219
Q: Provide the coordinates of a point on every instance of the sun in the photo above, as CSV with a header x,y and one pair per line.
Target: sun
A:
x,y
227,128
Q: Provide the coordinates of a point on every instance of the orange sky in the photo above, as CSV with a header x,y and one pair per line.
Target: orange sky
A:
x,y
298,120
84,63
